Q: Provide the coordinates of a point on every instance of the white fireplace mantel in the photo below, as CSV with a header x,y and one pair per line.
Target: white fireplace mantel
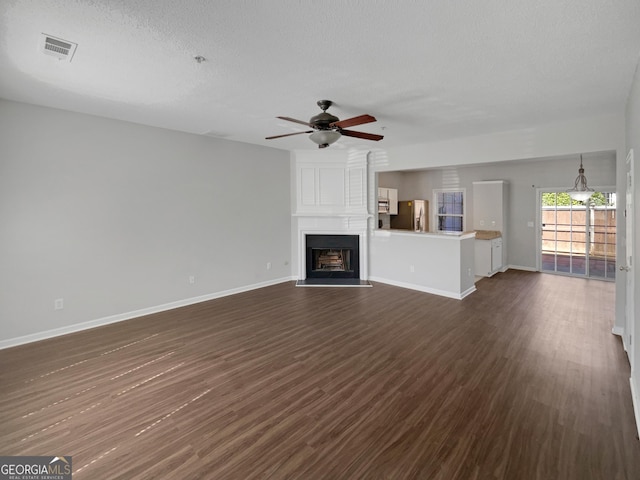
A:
x,y
331,199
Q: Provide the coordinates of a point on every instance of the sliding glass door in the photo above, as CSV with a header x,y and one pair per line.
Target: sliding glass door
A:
x,y
578,238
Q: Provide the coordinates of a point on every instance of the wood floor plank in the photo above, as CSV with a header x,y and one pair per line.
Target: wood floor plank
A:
x,y
521,380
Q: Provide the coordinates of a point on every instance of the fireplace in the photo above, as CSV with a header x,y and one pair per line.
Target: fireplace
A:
x,y
332,257
332,251
331,215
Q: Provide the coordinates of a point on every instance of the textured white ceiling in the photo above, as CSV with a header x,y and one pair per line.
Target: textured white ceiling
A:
x,y
428,70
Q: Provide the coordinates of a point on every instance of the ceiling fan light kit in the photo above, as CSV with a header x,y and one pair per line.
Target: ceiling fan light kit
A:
x,y
329,128
324,138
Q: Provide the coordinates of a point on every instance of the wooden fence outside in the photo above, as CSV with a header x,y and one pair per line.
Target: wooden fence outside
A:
x,y
563,231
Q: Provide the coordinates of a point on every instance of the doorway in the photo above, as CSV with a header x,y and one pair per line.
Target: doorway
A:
x,y
578,238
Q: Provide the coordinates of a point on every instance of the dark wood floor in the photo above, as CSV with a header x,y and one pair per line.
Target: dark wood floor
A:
x,y
521,380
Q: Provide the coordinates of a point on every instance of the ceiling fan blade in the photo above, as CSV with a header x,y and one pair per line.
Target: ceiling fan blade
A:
x,y
289,119
352,122
286,135
366,136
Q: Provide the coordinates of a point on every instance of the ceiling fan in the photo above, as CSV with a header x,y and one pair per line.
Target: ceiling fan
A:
x,y
328,128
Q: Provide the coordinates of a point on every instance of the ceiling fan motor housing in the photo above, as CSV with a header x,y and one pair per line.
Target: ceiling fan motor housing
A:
x,y
323,120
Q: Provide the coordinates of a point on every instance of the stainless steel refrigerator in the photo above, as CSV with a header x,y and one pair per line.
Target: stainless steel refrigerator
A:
x,y
412,215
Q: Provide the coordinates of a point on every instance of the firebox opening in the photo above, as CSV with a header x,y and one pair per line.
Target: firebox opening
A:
x,y
332,260
333,256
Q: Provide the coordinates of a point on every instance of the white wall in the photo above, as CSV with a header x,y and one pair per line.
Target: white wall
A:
x,y
594,134
114,217
633,142
438,264
524,177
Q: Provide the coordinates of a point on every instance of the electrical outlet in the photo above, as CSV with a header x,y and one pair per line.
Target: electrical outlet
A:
x,y
58,304
192,279
468,272
268,265
412,268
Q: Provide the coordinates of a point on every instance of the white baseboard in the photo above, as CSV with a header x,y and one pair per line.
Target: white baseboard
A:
x,y
636,406
468,291
618,331
421,288
520,267
56,332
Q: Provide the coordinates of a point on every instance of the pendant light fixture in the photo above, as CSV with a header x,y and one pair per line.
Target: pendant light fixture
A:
x,y
580,191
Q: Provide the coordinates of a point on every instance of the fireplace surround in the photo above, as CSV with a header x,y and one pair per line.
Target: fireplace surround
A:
x,y
332,202
332,258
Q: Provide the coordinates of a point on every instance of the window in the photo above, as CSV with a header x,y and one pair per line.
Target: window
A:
x,y
449,210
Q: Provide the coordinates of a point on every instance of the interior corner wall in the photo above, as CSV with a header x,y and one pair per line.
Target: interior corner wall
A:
x,y
114,217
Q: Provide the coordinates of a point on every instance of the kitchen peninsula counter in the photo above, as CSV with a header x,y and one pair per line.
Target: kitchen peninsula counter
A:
x,y
437,263
451,235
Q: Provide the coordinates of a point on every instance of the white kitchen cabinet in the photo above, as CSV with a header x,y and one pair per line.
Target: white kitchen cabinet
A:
x,y
488,256
490,205
390,195
393,200
496,254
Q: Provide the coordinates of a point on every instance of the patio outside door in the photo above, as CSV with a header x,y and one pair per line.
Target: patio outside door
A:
x,y
578,238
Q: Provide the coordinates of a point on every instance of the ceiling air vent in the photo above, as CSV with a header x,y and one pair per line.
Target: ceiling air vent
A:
x,y
56,47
